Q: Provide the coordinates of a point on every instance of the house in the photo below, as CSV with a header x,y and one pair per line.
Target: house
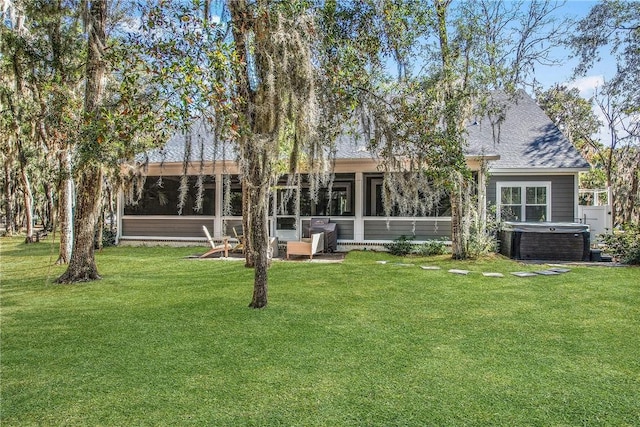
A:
x,y
531,175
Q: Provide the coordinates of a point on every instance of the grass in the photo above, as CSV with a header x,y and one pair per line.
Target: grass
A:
x,y
163,340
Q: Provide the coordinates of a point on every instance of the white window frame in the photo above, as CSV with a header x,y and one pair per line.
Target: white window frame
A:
x,y
523,185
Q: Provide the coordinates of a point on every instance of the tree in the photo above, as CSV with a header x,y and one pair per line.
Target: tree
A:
x,y
574,116
118,120
82,265
474,54
619,158
51,52
274,48
256,78
18,109
614,26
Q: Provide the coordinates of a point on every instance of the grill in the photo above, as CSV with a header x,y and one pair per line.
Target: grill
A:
x,y
322,225
545,241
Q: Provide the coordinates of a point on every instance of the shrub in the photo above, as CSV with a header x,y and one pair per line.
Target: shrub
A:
x,y
483,234
108,238
430,248
624,244
401,246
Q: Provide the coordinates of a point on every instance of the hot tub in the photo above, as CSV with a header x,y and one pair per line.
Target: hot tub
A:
x,y
549,241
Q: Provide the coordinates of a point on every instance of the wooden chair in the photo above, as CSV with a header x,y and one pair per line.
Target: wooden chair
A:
x,y
224,247
307,247
240,246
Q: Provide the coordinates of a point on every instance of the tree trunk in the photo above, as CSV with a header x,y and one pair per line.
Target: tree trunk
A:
x,y
258,205
259,249
8,201
99,228
47,220
453,136
27,201
255,153
65,208
246,226
82,266
457,241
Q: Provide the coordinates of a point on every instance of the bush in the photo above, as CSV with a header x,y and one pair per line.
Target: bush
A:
x,y
483,234
430,248
401,246
108,238
624,244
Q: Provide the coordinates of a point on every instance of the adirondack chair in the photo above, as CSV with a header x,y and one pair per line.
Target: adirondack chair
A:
x,y
224,247
240,237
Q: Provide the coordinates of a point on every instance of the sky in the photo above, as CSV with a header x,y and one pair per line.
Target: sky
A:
x,y
550,75
602,70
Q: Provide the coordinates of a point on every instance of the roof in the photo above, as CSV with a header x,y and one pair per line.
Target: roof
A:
x,y
527,139
202,147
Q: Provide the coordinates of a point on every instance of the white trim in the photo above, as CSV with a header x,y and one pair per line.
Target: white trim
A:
x,y
168,239
358,223
576,196
119,212
193,217
523,186
218,205
533,171
407,218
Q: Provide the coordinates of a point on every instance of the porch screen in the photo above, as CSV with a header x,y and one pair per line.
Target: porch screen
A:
x,y
161,195
375,207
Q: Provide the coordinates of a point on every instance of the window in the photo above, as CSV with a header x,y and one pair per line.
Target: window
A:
x,y
160,196
527,201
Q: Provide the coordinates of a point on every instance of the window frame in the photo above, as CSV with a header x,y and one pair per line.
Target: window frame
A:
x,y
523,185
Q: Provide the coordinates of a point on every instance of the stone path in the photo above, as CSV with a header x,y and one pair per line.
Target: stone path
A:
x,y
549,272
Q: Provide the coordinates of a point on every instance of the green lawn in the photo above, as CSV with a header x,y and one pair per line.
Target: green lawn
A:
x,y
163,340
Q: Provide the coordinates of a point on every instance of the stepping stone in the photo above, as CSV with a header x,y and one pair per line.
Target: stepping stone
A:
x,y
560,270
455,271
493,274
547,272
381,262
524,274
430,267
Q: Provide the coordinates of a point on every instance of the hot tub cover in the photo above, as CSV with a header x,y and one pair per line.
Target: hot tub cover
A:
x,y
545,227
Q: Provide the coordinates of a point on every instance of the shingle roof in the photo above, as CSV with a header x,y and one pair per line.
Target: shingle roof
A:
x,y
527,139
202,147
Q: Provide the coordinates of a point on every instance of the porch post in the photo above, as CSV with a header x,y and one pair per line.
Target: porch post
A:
x,y
482,196
576,196
217,222
358,224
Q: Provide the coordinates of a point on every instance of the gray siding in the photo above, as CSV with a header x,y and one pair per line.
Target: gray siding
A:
x,y
169,227
345,228
425,229
562,193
